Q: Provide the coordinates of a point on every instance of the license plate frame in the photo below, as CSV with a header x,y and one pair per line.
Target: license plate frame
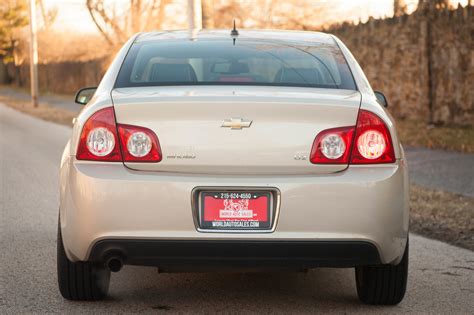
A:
x,y
202,225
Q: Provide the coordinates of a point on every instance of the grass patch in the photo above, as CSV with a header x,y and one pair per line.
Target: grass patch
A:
x,y
43,111
443,216
447,137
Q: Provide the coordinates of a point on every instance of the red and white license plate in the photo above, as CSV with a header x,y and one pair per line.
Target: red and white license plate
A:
x,y
237,210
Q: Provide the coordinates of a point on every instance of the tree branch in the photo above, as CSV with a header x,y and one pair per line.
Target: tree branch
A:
x,y
101,30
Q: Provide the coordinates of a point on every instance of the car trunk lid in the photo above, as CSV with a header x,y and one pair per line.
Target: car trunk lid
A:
x,y
198,127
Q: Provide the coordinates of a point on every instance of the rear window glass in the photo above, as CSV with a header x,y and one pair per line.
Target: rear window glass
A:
x,y
245,62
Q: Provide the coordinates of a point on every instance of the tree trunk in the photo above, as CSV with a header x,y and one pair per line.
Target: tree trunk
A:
x,y
207,14
136,11
194,14
399,7
3,73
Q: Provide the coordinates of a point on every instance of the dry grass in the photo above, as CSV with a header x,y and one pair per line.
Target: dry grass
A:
x,y
43,111
450,137
441,215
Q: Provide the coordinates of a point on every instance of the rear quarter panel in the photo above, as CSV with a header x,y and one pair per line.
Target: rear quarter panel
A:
x,y
369,101
102,97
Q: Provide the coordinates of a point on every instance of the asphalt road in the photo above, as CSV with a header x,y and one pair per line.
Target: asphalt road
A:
x,y
441,276
449,171
60,101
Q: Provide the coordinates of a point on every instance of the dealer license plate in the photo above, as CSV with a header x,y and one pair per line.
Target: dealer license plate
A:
x,y
236,210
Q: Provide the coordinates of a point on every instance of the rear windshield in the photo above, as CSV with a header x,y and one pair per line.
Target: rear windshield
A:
x,y
243,62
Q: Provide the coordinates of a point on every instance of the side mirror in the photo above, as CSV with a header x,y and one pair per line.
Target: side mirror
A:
x,y
381,98
84,95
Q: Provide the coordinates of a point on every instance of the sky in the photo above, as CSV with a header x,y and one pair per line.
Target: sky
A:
x,y
74,16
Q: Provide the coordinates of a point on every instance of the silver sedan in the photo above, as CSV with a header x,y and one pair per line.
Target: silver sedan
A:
x,y
242,150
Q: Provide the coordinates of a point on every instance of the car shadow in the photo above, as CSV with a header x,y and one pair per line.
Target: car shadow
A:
x,y
302,292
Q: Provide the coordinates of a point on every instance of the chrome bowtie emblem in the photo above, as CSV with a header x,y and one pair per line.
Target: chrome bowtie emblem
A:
x,y
236,123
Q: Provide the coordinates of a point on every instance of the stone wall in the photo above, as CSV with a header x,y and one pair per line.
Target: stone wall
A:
x,y
404,56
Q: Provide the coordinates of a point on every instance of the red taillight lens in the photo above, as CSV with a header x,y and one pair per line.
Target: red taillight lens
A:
x,y
139,144
99,140
332,146
373,143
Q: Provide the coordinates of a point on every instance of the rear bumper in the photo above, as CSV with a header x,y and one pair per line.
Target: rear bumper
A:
x,y
169,255
107,201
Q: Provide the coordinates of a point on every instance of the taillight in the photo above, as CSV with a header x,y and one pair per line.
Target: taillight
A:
x,y
332,146
99,140
139,144
369,142
373,143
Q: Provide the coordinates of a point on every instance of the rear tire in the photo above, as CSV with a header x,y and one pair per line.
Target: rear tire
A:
x,y
80,281
384,284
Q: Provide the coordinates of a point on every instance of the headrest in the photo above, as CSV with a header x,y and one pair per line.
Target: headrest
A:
x,y
172,72
238,67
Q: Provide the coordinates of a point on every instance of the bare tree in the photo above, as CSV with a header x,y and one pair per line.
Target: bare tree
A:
x,y
48,15
399,7
225,14
296,14
139,15
207,13
443,4
434,4
13,17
